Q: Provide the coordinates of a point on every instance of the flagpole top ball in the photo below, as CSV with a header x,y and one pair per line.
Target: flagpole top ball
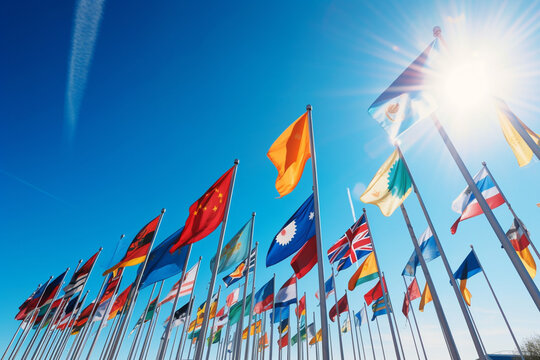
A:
x,y
483,163
253,214
308,107
163,210
236,161
122,236
437,31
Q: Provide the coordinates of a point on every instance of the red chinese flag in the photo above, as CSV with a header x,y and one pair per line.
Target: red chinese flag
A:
x,y
342,306
139,247
283,341
375,293
413,290
206,214
305,259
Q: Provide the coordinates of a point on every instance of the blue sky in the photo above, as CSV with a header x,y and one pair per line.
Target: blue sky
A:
x,y
177,90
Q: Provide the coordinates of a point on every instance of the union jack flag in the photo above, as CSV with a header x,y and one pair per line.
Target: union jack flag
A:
x,y
352,246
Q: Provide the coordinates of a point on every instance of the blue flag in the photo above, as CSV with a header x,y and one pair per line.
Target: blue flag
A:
x,y
240,271
235,250
378,307
468,268
294,234
162,264
283,311
429,252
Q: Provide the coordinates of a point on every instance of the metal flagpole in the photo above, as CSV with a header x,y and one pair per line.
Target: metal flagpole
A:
x,y
182,341
252,289
264,334
476,329
69,326
514,258
330,339
153,323
255,337
318,235
358,330
288,341
410,327
150,326
452,348
337,316
50,331
316,342
213,323
226,344
512,210
200,344
132,298
112,333
163,346
174,342
106,343
414,317
351,324
394,317
307,336
298,337
134,343
383,287
498,305
369,330
380,338
457,292
353,215
273,321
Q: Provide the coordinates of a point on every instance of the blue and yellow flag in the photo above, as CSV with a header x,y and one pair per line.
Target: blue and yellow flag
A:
x,y
378,307
467,269
235,250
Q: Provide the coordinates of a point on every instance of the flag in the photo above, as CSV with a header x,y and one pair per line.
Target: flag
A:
x,y
82,319
287,294
51,290
366,272
235,250
305,259
236,310
426,298
328,287
264,298
146,316
163,264
519,241
406,100
187,285
342,306
375,293
355,244
390,186
102,309
311,332
112,285
467,205
378,308
294,339
413,292
469,267
216,337
206,213
78,279
283,341
301,309
280,313
139,247
521,150
294,234
255,329
317,338
289,154
361,316
119,302
283,326
30,304
240,271
263,342
346,327
232,298
67,312
429,252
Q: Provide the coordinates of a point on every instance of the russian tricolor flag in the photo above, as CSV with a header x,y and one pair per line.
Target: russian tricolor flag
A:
x,y
467,205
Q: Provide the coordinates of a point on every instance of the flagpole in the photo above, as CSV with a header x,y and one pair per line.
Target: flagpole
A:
x,y
511,210
111,331
265,335
163,346
369,330
350,323
457,292
318,235
330,339
499,232
410,326
380,337
224,348
307,336
71,321
146,347
498,305
288,339
273,319
394,317
174,341
358,330
151,320
134,343
132,298
383,287
476,329
316,342
338,314
213,323
252,287
23,336
447,333
200,344
298,337
414,317
280,333
181,343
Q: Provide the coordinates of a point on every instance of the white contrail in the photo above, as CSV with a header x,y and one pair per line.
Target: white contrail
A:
x,y
86,25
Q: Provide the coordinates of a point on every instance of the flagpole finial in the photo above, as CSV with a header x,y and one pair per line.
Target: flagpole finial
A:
x,y
253,214
101,248
483,163
236,161
471,246
122,236
437,31
163,210
308,107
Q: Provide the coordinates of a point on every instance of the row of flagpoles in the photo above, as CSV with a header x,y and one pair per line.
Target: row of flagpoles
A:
x,y
63,317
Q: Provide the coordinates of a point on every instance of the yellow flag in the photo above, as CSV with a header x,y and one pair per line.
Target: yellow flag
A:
x,y
254,328
289,154
521,150
465,292
367,271
390,186
426,297
316,338
528,261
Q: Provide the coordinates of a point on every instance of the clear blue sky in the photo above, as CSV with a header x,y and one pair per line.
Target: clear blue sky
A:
x,y
177,90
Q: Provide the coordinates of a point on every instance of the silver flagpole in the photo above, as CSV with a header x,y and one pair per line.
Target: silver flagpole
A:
x,y
410,326
514,258
298,337
213,323
316,342
330,339
358,331
353,215
318,235
238,351
380,338
498,305
69,326
252,287
150,325
307,336
288,341
351,324
132,298
174,342
383,287
272,321
265,336
476,329
414,317
512,210
394,317
369,330
183,339
447,267
200,344
163,346
141,326
452,348
337,316
111,331
153,323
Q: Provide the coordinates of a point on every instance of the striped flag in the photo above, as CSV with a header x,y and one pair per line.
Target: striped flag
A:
x,y
232,298
187,285
79,278
287,294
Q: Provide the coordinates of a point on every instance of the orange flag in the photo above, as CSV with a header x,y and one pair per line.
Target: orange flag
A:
x,y
119,302
289,154
426,297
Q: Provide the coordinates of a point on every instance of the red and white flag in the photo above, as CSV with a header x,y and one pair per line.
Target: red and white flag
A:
x,y
232,298
187,285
